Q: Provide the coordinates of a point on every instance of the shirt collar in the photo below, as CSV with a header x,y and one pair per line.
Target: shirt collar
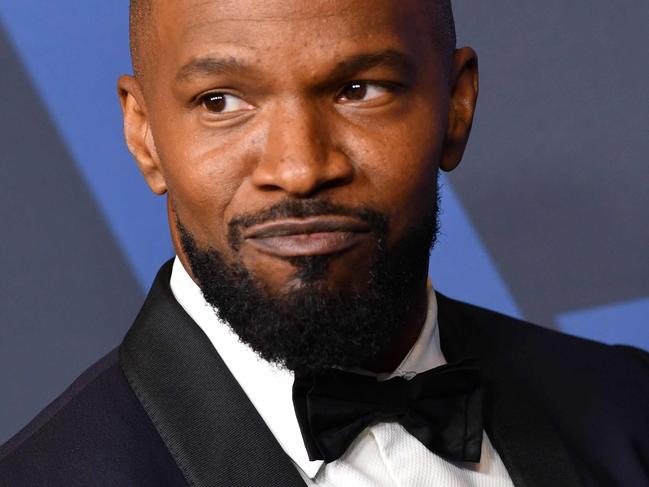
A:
x,y
269,387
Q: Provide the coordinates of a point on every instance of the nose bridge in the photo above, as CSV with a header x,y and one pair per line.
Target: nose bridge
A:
x,y
296,134
298,156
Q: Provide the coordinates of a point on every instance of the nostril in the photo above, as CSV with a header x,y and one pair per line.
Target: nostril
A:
x,y
303,176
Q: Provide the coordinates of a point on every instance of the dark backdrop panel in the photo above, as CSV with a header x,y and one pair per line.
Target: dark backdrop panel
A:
x,y
67,294
556,179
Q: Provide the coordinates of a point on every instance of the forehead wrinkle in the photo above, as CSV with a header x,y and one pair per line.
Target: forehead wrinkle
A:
x,y
278,19
231,11
210,15
150,12
209,33
202,25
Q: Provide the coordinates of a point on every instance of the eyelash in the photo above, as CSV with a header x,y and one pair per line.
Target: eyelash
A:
x,y
386,85
205,97
389,86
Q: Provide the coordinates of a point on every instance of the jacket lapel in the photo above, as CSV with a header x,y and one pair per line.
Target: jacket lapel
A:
x,y
219,440
208,424
521,432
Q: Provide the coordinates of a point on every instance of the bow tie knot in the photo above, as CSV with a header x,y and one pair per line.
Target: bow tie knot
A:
x,y
391,411
442,408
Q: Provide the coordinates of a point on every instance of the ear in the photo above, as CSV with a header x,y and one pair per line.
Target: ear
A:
x,y
137,132
464,95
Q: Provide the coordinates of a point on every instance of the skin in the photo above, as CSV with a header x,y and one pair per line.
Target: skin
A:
x,y
294,126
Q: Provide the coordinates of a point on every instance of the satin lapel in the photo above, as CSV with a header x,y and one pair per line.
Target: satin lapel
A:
x,y
521,432
210,427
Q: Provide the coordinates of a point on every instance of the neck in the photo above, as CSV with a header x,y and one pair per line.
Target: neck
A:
x,y
403,341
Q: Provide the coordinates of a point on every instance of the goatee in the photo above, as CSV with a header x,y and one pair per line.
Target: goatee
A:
x,y
313,328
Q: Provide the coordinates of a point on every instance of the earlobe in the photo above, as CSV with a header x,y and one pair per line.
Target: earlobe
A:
x,y
137,133
464,96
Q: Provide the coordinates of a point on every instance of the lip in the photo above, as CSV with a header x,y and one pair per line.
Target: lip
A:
x,y
307,236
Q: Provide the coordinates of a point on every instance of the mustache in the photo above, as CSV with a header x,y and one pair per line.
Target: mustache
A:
x,y
292,208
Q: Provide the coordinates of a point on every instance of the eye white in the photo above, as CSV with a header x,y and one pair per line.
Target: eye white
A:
x,y
374,91
224,103
361,92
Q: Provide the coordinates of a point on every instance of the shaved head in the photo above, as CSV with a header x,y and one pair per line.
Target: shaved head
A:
x,y
140,14
439,13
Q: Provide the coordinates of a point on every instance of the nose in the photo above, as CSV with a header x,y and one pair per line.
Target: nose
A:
x,y
299,156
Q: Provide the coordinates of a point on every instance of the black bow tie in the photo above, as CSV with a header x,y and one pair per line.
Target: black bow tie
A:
x,y
442,408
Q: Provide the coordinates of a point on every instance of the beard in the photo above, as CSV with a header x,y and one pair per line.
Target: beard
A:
x,y
313,328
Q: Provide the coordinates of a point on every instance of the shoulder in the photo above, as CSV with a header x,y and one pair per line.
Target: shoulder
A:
x,y
596,395
95,433
536,346
558,370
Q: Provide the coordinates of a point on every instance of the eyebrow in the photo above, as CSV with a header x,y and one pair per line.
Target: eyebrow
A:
x,y
209,66
391,58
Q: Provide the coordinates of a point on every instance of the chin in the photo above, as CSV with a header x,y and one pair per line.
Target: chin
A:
x,y
310,279
326,274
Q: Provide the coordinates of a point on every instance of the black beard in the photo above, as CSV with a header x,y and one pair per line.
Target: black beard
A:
x,y
310,328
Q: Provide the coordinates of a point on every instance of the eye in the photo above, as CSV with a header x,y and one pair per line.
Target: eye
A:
x,y
362,91
223,103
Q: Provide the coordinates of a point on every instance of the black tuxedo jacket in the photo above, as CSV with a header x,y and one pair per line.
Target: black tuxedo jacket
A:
x,y
163,410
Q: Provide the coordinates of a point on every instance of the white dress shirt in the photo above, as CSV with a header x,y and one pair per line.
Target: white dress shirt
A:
x,y
384,454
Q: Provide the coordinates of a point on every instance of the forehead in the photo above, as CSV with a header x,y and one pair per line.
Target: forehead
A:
x,y
285,31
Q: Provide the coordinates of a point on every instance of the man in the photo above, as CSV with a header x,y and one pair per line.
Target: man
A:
x,y
296,340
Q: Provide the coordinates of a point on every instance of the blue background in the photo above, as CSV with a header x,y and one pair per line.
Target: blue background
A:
x,y
546,219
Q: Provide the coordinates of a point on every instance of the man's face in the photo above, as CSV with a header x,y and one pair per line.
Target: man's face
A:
x,y
323,111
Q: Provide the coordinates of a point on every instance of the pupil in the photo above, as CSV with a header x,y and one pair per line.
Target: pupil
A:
x,y
356,91
215,103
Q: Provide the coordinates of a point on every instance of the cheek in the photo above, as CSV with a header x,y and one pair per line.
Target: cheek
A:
x,y
204,173
399,164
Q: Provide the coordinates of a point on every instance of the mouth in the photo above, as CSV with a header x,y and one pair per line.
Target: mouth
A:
x,y
307,236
